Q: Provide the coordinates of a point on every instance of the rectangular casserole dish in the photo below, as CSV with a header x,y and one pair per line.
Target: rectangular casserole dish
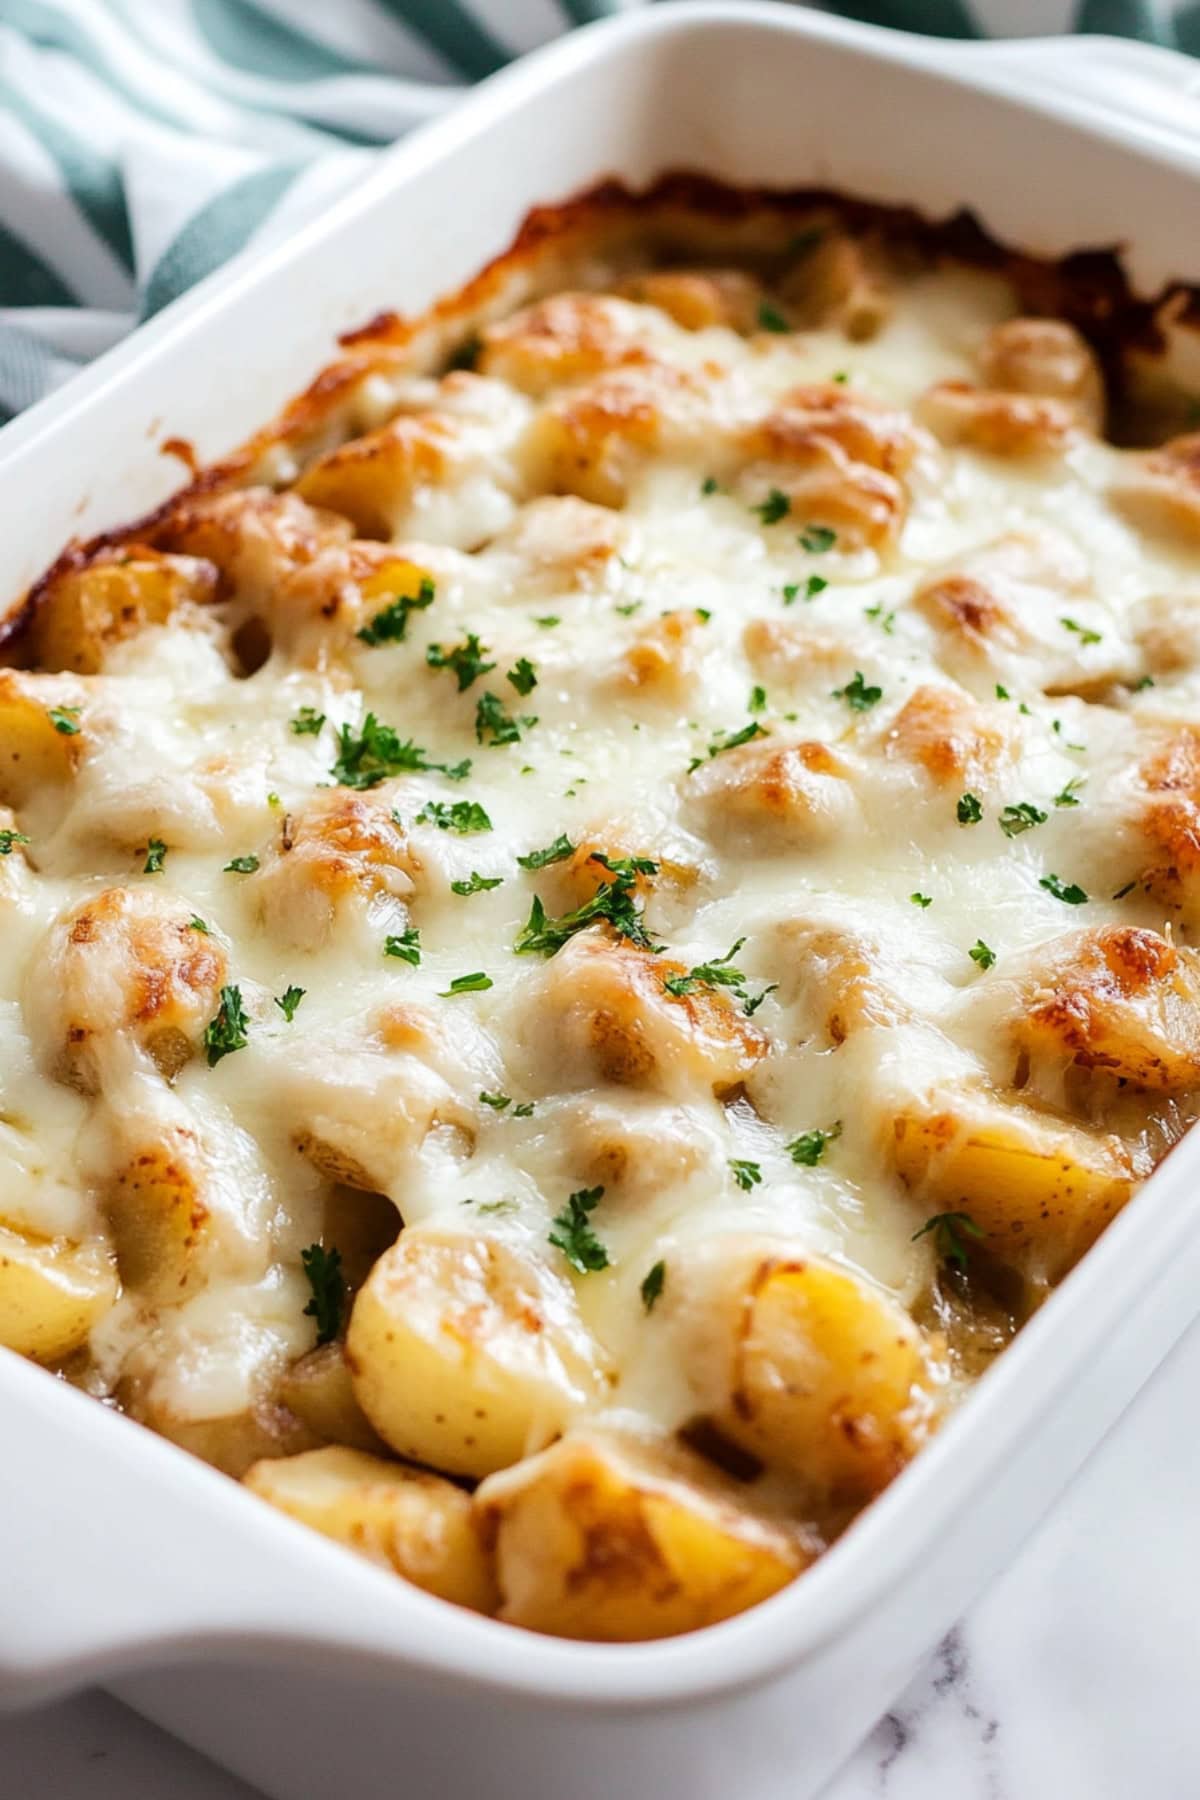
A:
x,y
251,1638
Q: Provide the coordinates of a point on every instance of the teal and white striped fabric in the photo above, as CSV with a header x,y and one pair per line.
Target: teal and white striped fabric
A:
x,y
144,142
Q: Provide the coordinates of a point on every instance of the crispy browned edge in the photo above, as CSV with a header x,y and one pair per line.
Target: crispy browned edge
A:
x,y
1089,288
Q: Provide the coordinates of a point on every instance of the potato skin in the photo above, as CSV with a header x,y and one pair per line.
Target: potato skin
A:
x,y
405,1520
84,613
51,1294
466,1354
594,1542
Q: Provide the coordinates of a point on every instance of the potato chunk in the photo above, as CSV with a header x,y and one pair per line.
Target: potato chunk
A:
x,y
415,1524
318,1390
1046,357
466,1354
51,1294
564,338
124,965
85,612
344,855
593,440
813,1370
948,735
772,798
699,298
1039,1188
1160,492
594,1540
1116,998
42,735
605,1008
838,281
159,1216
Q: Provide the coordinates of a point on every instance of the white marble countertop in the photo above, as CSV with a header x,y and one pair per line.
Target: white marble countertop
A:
x,y
1075,1676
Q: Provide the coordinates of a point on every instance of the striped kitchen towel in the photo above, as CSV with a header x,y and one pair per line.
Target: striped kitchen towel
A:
x,y
144,142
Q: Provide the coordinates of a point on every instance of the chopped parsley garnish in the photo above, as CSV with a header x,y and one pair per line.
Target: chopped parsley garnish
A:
x,y
885,620
405,945
727,740
478,983
809,1148
947,1240
629,608
308,722
720,972
196,923
816,584
969,810
1002,692
859,697
1068,796
240,865
980,953
1144,682
497,1102
841,376
391,623
703,614
1069,892
156,852
377,751
1022,816
547,621
462,816
758,699
1083,632
921,900
770,318
746,1174
289,1000
64,719
776,506
491,718
468,660
710,485
652,1285
8,838
226,1030
477,883
612,901
558,851
817,538
324,1271
523,676
573,1234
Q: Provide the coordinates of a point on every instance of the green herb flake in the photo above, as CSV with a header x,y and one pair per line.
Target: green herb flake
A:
x,y
758,700
226,1030
558,851
776,506
1144,682
859,697
494,726
240,865
980,953
467,661
478,983
461,816
652,1285
156,853
809,1148
1069,892
573,1234
8,838
1019,817
1002,692
746,1174
1068,796
547,621
325,1278
289,1000
969,810
1083,632
390,624
612,902
522,676
921,900
946,1229
196,923
710,485
308,722
726,740
885,620
817,538
497,1102
770,318
629,608
64,719
476,884
406,946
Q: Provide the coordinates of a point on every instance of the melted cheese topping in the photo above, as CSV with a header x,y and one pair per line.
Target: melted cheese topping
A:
x,y
875,685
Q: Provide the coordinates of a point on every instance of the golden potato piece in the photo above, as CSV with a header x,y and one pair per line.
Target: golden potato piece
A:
x,y
252,535
465,1354
607,1008
318,1390
1048,358
838,281
1169,818
842,980
1016,425
51,1294
123,963
1160,492
415,1524
345,851
828,422
1040,1189
810,1368
233,1442
776,797
85,611
372,479
565,338
592,440
1116,998
699,298
159,1217
43,735
595,1541
661,661
948,734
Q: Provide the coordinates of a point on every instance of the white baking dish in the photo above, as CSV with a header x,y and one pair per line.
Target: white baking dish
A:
x,y
128,1562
